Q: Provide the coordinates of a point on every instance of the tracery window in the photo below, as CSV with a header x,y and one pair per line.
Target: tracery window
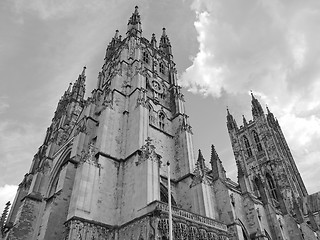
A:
x,y
150,114
164,195
146,57
161,68
247,145
257,141
161,120
272,187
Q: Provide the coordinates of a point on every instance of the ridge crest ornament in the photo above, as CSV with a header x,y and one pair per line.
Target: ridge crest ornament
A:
x,y
147,152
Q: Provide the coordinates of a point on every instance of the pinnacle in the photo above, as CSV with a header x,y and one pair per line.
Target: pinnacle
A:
x,y
164,32
84,71
213,153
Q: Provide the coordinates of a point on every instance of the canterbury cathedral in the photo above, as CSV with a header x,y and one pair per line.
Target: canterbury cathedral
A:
x,y
101,172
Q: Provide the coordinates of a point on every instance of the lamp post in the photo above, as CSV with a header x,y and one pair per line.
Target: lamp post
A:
x,y
169,202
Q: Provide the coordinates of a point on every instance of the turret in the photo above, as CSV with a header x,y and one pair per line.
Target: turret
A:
x,y
231,123
153,41
134,23
113,44
218,171
165,44
257,110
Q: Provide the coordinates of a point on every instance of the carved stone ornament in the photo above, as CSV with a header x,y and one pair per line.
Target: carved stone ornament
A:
x,y
81,127
142,98
108,99
78,229
185,126
155,85
184,230
147,152
89,156
201,175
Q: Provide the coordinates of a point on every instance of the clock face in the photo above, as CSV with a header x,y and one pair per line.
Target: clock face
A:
x,y
155,85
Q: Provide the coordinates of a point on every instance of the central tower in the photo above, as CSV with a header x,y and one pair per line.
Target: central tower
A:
x,y
101,171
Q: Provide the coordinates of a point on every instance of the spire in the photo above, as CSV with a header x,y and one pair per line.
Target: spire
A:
x,y
4,216
257,110
78,89
270,118
200,161
114,43
244,120
69,88
165,44
231,123
134,23
153,41
216,165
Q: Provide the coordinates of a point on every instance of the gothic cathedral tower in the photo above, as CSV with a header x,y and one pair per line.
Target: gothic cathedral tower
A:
x,y
101,172
266,169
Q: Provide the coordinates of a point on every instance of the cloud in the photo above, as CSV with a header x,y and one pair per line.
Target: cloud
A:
x,y
7,193
3,104
18,144
269,47
47,9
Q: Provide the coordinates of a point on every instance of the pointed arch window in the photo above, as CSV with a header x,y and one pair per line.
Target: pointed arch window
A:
x,y
161,120
150,114
272,187
247,146
161,68
257,187
257,141
146,57
164,195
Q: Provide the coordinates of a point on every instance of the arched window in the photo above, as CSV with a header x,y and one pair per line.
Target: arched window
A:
x,y
161,120
257,141
164,195
247,145
272,187
146,57
257,186
161,68
150,113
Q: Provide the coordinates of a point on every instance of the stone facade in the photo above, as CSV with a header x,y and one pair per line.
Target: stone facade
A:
x,y
101,172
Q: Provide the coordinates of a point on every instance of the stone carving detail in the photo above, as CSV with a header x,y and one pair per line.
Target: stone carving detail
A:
x,y
142,98
184,231
89,156
81,127
201,173
81,230
108,99
185,126
147,152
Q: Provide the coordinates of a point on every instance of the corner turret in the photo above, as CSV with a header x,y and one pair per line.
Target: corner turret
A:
x,y
165,44
231,123
134,23
257,110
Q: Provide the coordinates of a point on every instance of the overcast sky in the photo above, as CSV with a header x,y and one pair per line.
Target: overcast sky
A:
x,y
222,48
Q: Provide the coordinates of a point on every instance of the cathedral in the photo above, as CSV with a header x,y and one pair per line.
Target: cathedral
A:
x,y
101,172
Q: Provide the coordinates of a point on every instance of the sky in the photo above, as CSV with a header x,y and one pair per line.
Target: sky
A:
x,y
222,48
